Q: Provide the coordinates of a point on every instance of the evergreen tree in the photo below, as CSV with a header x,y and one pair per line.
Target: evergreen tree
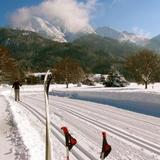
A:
x,y
114,79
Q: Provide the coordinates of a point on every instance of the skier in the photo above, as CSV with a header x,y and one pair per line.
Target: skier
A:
x,y
16,86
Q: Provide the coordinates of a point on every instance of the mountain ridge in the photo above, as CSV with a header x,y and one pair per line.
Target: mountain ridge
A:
x,y
154,44
36,53
122,35
58,32
52,31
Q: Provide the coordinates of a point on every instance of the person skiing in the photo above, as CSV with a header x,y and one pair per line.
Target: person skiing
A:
x,y
16,86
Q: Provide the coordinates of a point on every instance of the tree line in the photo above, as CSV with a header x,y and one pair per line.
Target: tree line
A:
x,y
142,67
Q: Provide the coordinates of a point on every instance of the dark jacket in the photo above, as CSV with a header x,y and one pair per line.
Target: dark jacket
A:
x,y
16,85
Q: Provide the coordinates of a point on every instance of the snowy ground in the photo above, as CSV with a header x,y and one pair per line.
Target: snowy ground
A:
x,y
134,98
11,146
133,136
6,150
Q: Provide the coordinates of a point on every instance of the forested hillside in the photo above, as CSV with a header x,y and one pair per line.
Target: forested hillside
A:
x,y
35,53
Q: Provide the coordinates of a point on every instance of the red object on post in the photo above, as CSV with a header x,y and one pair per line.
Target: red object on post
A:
x,y
106,148
70,141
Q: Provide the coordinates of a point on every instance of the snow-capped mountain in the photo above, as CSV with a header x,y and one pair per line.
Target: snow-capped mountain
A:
x,y
122,36
44,28
135,38
58,32
52,31
109,32
154,43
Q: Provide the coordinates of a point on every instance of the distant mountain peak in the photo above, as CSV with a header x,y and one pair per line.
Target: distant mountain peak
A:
x,y
135,38
156,37
154,44
109,32
122,36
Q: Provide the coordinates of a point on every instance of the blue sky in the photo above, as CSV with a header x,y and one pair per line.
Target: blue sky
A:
x,y
141,16
7,7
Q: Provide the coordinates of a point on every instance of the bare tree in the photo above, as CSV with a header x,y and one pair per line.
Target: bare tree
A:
x,y
144,66
68,71
8,66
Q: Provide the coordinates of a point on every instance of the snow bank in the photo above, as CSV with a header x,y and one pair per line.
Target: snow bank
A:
x,y
134,98
29,134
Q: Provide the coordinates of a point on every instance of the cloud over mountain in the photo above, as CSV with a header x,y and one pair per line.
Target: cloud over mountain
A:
x,y
66,15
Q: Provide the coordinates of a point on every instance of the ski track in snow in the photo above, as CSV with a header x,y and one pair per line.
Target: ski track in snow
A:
x,y
57,132
132,136
71,116
76,114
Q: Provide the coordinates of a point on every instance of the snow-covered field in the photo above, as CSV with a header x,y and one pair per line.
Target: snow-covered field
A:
x,y
134,97
87,111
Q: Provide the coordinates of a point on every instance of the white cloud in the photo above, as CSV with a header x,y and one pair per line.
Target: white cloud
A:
x,y
142,32
70,14
91,4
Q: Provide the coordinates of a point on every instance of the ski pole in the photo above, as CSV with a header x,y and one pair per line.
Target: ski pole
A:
x,y
70,141
106,148
102,156
67,152
48,153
